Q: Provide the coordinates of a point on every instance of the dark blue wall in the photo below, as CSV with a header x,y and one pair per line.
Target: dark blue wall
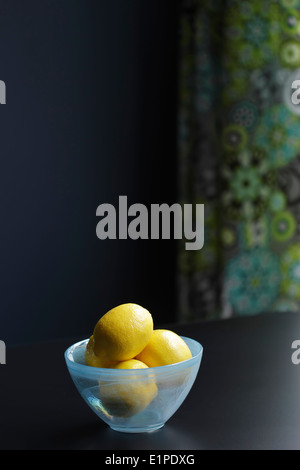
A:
x,y
90,115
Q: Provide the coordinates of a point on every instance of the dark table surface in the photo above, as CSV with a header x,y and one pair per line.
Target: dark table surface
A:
x,y
246,395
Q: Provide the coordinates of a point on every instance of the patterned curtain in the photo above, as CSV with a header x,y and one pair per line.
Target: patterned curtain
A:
x,y
239,154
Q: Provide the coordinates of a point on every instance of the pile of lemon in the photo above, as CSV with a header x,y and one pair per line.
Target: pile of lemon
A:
x,y
124,338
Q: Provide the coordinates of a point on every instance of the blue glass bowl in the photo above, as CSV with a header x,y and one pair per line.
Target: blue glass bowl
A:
x,y
134,400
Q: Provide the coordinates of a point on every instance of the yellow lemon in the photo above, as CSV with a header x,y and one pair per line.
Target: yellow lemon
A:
x,y
165,347
95,361
130,364
122,332
131,394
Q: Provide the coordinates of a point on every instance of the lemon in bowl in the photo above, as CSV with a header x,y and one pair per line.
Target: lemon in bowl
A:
x,y
123,332
164,348
134,394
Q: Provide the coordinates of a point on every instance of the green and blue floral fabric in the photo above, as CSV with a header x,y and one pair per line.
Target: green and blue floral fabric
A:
x,y
239,154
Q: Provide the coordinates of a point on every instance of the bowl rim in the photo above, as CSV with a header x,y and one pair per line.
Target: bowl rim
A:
x,y
84,369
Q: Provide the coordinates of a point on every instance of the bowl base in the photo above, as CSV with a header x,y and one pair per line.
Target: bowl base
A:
x,y
137,430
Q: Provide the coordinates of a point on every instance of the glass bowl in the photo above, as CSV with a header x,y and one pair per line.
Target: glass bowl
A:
x,y
134,400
